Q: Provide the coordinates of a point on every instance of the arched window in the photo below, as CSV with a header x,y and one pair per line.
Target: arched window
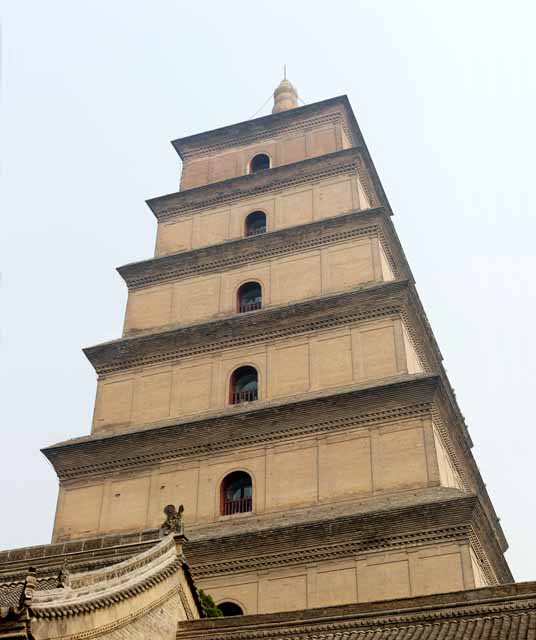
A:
x,y
230,609
259,162
236,493
249,297
244,385
255,224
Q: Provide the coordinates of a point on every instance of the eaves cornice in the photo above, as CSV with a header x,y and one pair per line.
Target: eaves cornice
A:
x,y
379,403
439,521
251,131
365,303
287,241
269,126
273,180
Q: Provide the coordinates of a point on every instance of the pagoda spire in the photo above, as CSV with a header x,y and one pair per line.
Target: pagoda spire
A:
x,y
285,95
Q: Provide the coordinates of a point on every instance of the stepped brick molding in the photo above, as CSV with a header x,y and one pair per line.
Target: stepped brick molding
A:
x,y
364,303
275,125
441,517
348,161
232,254
280,125
104,453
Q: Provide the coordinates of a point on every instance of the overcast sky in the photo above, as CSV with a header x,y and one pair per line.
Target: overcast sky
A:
x,y
445,94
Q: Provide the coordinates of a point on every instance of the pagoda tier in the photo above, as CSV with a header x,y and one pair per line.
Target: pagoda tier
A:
x,y
217,258
340,163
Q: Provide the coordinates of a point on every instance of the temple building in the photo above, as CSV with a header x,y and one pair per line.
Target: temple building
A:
x,y
277,376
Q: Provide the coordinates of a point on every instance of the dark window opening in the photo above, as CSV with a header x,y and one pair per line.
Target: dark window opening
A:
x,y
255,223
259,163
230,609
249,297
237,495
244,385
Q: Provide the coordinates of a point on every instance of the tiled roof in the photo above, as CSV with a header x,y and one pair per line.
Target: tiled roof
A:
x,y
504,627
10,592
506,612
81,555
519,626
34,605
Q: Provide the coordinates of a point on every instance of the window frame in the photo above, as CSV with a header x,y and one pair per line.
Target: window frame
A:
x,y
256,155
246,501
259,233
254,306
232,393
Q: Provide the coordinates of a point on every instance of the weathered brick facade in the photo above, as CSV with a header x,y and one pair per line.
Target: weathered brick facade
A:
x,y
353,416
356,477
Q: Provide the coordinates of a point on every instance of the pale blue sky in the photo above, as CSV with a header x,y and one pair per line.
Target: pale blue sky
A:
x,y
93,91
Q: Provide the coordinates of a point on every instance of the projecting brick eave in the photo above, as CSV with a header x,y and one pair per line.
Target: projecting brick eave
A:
x,y
437,513
365,302
377,526
370,301
419,388
264,126
231,135
240,251
219,194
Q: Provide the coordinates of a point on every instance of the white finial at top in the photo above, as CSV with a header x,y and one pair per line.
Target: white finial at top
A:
x,y
285,95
